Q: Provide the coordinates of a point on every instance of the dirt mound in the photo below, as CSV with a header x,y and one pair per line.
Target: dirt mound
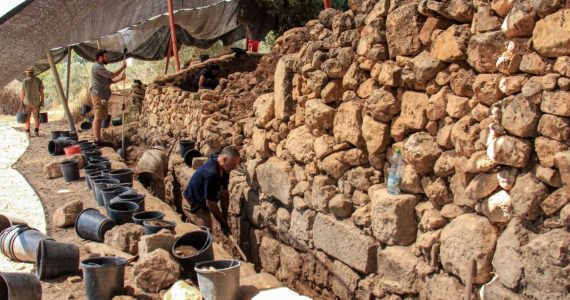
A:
x,y
10,102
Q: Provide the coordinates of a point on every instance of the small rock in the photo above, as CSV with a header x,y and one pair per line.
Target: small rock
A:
x,y
53,170
66,215
125,237
341,206
156,270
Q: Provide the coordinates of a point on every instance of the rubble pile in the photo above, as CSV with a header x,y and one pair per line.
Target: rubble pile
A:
x,y
476,96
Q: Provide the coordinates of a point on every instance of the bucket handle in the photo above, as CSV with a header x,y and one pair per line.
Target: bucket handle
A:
x,y
206,229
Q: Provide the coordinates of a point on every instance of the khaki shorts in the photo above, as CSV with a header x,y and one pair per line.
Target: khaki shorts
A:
x,y
202,217
31,109
100,110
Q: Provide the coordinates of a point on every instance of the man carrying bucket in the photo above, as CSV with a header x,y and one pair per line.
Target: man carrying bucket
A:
x,y
207,187
100,91
32,99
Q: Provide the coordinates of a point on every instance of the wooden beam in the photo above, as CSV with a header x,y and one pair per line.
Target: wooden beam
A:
x,y
168,57
68,74
59,89
173,35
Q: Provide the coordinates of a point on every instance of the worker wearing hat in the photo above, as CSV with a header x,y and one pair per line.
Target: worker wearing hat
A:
x,y
32,99
100,91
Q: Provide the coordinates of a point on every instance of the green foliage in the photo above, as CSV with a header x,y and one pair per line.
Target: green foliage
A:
x,y
295,13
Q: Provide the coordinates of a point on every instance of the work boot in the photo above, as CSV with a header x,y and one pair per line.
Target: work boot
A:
x,y
37,131
28,133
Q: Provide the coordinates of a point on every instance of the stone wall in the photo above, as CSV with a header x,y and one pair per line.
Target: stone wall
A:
x,y
475,94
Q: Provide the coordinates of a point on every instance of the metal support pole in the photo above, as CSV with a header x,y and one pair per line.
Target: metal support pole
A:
x,y
68,79
173,35
327,3
168,57
59,89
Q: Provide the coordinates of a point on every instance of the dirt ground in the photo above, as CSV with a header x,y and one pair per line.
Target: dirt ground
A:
x,y
53,193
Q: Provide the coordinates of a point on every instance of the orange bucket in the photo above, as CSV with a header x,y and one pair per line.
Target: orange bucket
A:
x,y
69,151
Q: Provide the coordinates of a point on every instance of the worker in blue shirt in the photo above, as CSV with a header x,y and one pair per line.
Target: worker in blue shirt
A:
x,y
208,188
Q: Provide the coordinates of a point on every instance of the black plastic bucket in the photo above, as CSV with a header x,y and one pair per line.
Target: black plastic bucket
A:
x,y
20,243
142,216
85,109
55,134
97,159
55,147
185,146
21,117
85,125
122,211
123,175
190,155
106,122
98,185
154,226
54,259
70,169
9,221
88,154
111,192
129,197
89,171
118,121
201,240
104,277
94,176
20,286
105,164
92,225
87,146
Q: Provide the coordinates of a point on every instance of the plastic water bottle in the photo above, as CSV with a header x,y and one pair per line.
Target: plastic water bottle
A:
x,y
394,174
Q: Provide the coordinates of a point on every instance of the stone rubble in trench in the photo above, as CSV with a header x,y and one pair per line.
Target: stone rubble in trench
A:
x,y
475,94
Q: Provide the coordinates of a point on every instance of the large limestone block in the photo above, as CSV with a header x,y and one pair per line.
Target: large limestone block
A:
x,y
358,251
393,217
457,249
512,151
507,261
421,151
300,143
291,264
545,261
318,115
347,123
276,179
554,127
264,107
269,254
526,195
451,45
382,105
521,117
376,135
484,49
441,287
283,87
403,27
302,224
345,280
397,270
551,35
556,103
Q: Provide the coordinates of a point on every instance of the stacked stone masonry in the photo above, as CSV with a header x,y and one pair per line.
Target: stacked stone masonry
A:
x,y
476,94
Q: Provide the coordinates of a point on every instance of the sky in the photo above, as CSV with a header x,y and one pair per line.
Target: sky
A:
x,y
7,5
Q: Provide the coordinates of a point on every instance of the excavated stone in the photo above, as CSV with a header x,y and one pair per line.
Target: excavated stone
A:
x,y
555,201
382,105
393,220
421,151
551,35
545,265
483,50
451,45
269,254
546,149
125,237
66,215
347,123
403,26
527,195
300,144
397,270
554,127
302,224
276,179
264,109
556,103
456,250
358,252
482,185
318,115
345,280
512,151
156,271
160,240
441,287
507,261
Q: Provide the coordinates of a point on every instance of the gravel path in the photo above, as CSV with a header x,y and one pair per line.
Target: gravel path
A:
x,y
17,198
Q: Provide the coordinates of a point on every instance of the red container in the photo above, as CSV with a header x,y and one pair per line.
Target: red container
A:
x,y
69,151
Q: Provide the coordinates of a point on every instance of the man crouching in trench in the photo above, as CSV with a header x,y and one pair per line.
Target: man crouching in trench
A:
x,y
208,187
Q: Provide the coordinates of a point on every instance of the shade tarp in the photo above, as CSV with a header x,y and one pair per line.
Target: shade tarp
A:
x,y
141,26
